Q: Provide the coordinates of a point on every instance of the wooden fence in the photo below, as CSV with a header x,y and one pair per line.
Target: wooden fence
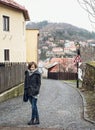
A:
x,y
62,75
11,74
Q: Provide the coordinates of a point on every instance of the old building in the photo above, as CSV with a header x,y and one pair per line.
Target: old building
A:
x,y
13,19
32,36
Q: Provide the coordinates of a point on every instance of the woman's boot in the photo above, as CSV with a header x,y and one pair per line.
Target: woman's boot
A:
x,y
31,122
37,121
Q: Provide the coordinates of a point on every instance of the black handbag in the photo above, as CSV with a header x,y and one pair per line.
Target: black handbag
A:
x,y
25,96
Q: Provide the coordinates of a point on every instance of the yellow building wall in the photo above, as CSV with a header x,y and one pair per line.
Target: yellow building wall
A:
x,y
32,45
14,39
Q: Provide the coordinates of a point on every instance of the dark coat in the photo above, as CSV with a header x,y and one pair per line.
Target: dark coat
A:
x,y
32,82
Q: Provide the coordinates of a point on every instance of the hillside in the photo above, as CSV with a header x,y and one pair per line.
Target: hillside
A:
x,y
56,35
61,31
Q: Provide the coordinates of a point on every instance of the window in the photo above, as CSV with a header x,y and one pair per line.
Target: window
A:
x,y
6,54
5,23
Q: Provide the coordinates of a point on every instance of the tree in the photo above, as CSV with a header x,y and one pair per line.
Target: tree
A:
x,y
89,6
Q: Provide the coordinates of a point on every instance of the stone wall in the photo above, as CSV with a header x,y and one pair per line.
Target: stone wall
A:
x,y
89,77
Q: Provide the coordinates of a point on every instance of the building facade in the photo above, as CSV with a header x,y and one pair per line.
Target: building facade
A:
x,y
32,36
13,18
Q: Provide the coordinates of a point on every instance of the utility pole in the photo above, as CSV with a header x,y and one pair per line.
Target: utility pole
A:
x,y
77,61
77,75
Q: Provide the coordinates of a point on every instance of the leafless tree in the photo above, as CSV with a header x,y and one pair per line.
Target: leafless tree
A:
x,y
89,6
87,53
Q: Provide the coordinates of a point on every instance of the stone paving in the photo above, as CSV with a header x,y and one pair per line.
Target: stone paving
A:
x,y
60,107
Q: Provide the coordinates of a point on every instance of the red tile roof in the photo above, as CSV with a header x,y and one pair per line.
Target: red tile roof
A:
x,y
59,60
13,4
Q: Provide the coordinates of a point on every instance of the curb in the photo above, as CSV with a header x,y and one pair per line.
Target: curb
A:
x,y
11,93
28,128
85,116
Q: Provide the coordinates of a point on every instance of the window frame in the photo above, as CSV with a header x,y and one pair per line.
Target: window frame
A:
x,y
6,55
6,23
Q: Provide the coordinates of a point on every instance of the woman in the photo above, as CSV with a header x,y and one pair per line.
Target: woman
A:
x,y
31,87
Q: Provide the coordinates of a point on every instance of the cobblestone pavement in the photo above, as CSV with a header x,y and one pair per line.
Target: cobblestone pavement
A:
x,y
60,107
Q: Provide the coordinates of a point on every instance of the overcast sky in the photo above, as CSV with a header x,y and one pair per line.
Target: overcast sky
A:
x,y
67,11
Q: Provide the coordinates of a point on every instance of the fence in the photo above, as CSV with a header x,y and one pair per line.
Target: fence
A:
x,y
11,74
62,75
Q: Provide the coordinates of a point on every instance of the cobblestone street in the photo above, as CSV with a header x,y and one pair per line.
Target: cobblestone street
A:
x,y
60,107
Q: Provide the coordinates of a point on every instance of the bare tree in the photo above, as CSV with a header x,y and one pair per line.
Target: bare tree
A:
x,y
89,6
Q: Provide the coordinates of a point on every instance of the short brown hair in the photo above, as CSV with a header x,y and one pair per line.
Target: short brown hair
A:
x,y
32,63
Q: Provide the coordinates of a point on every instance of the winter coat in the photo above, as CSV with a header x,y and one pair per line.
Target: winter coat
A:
x,y
32,82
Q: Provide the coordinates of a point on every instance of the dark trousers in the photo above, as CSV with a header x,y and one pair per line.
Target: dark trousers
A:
x,y
34,108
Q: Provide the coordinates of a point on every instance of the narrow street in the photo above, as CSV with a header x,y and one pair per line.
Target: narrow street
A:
x,y
60,107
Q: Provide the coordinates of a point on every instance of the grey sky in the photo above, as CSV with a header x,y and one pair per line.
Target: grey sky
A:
x,y
67,11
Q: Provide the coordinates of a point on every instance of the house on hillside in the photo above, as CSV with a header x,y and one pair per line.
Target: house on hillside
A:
x,y
70,48
13,18
55,65
61,65
32,38
61,68
58,51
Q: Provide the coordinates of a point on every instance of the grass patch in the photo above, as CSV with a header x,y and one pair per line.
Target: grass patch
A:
x,y
11,93
92,63
70,81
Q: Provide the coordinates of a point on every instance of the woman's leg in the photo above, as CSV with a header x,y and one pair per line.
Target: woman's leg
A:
x,y
31,122
35,114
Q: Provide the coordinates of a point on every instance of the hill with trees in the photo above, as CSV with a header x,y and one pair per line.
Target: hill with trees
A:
x,y
56,34
61,30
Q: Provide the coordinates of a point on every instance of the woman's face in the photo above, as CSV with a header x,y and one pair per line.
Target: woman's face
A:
x,y
32,67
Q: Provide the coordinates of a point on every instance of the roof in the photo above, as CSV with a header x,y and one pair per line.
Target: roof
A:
x,y
59,60
50,65
13,4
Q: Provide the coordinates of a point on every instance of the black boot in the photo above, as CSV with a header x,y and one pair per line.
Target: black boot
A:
x,y
31,122
37,121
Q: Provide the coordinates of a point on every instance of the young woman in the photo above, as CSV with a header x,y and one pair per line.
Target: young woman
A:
x,y
32,87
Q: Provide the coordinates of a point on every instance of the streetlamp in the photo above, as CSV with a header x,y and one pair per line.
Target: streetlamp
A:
x,y
77,61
